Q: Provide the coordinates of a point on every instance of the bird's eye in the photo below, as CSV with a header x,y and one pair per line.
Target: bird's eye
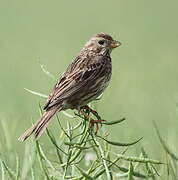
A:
x,y
101,42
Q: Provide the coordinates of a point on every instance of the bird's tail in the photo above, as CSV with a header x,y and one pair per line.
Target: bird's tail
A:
x,y
38,128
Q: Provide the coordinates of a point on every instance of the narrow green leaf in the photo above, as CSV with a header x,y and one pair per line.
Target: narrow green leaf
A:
x,y
103,159
6,133
2,172
148,168
164,145
54,141
36,93
17,168
84,173
32,174
118,143
41,159
130,172
68,115
28,158
10,171
113,122
123,169
45,158
47,72
99,97
137,159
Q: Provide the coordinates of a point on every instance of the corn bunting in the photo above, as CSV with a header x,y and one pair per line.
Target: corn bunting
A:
x,y
83,81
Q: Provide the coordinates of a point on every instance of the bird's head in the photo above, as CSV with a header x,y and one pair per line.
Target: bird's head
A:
x,y
102,44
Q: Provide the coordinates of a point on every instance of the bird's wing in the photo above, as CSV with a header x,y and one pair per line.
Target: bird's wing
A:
x,y
75,80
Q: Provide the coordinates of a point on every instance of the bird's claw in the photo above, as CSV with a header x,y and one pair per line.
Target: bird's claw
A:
x,y
93,122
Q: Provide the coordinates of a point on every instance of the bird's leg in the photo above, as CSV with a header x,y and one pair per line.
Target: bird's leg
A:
x,y
95,113
92,121
85,113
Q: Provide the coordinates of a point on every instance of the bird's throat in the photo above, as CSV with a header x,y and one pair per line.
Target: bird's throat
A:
x,y
105,52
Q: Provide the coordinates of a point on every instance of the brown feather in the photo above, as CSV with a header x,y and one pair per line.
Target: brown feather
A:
x,y
39,127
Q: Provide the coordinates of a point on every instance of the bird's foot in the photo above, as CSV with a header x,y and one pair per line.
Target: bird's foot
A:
x,y
85,111
93,122
88,109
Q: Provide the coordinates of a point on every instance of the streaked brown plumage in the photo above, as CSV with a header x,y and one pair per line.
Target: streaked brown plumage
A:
x,y
83,81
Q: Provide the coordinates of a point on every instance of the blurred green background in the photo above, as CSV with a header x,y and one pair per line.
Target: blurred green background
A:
x,y
144,85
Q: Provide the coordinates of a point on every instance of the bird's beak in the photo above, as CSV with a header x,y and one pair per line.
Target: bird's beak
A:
x,y
115,44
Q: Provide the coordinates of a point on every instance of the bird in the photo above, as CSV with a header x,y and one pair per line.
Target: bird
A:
x,y
84,80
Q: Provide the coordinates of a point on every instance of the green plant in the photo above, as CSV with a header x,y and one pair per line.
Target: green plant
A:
x,y
78,153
